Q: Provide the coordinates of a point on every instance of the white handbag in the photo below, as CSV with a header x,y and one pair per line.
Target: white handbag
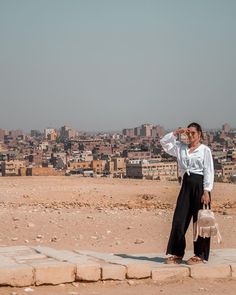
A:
x,y
206,225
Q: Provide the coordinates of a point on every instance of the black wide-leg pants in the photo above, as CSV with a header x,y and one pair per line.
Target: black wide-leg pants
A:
x,y
188,205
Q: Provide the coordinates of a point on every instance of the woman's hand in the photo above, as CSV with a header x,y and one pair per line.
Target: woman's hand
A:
x,y
180,131
205,198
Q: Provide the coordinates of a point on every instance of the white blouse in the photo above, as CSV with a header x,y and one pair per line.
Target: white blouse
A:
x,y
199,161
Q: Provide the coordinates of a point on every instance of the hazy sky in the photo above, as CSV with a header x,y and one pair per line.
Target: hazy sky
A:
x,y
111,64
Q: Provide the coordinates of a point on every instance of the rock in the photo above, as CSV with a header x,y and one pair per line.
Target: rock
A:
x,y
54,239
131,283
30,224
139,241
203,289
39,236
14,239
13,293
15,219
28,290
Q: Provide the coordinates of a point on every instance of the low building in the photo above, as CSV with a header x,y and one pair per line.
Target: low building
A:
x,y
79,165
43,171
116,167
151,169
82,156
137,154
228,170
12,168
98,166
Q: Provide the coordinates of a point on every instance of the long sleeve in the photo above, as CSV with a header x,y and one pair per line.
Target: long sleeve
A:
x,y
208,171
170,144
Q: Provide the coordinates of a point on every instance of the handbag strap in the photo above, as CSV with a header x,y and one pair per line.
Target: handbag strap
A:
x,y
206,206
219,238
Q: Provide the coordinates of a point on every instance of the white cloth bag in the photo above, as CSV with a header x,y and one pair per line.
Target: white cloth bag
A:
x,y
206,225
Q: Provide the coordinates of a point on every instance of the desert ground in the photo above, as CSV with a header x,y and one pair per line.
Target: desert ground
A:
x,y
106,215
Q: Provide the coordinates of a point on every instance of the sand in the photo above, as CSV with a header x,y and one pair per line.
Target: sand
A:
x,y
107,215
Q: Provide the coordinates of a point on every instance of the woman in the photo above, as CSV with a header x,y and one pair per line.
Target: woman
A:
x,y
197,171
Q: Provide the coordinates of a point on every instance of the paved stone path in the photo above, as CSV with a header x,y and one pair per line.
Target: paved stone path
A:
x,y
25,266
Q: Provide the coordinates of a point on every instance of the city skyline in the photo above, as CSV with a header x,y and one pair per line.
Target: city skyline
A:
x,y
108,65
58,128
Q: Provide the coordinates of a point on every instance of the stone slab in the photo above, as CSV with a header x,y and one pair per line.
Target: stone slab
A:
x,y
222,256
23,266
25,258
108,257
6,260
61,255
14,249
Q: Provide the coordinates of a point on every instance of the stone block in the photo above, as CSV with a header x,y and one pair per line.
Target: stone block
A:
x,y
16,275
88,271
210,271
174,273
53,272
138,270
113,272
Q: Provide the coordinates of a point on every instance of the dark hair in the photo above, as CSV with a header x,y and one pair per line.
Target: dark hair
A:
x,y
198,127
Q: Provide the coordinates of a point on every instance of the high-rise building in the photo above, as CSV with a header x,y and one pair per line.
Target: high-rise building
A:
x,y
50,134
128,132
15,133
68,133
157,131
146,130
137,131
35,133
226,128
2,134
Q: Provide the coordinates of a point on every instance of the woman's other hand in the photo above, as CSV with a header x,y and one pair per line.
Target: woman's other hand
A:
x,y
205,198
